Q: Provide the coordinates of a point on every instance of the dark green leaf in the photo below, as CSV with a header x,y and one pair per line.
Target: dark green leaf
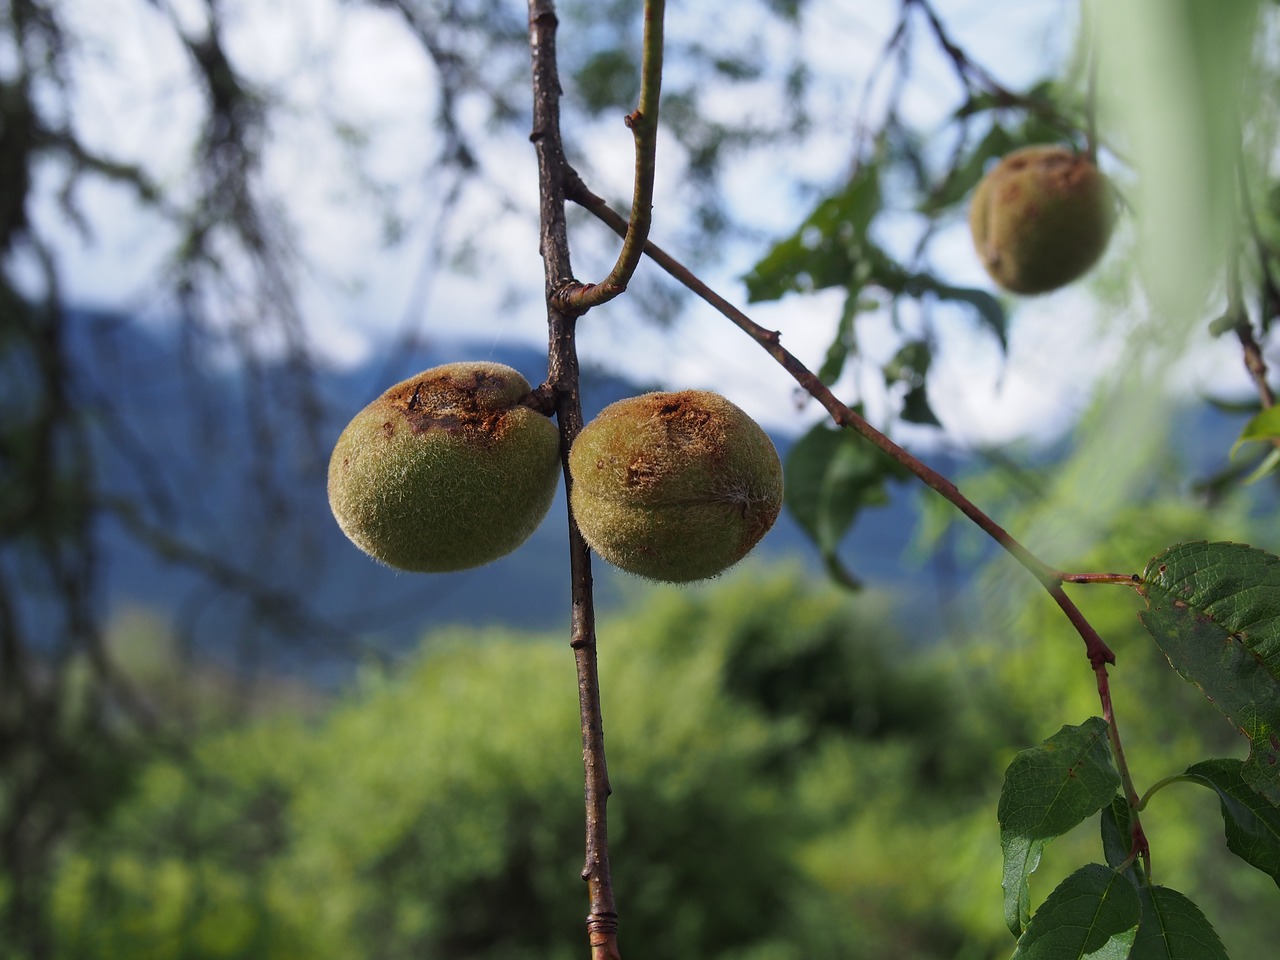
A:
x,y
916,409
1093,914
831,474
1117,837
1173,928
1048,790
1214,609
1252,822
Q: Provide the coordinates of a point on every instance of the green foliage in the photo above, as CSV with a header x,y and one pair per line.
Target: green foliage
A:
x,y
1214,609
1252,821
774,749
831,475
1048,790
1093,913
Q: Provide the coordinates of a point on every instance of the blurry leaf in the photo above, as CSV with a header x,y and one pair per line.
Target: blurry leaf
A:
x,y
909,364
825,250
1048,790
984,100
1173,928
990,311
1093,914
1117,837
845,341
916,409
1214,609
1252,822
1264,426
609,80
831,474
1267,466
964,176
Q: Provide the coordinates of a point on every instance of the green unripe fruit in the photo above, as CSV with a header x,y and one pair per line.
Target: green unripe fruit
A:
x,y
1041,218
445,471
674,486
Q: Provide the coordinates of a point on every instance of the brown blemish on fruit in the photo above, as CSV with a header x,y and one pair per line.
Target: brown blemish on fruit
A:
x,y
469,406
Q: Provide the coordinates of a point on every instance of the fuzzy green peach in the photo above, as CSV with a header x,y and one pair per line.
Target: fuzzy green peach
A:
x,y
674,486
446,470
1041,218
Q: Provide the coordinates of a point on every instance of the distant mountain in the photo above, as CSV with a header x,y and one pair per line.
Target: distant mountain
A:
x,y
234,540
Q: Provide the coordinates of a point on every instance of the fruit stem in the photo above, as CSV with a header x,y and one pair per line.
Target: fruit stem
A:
x,y
563,380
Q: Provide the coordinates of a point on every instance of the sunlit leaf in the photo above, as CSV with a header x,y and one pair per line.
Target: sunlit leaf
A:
x,y
1048,790
1173,928
1264,427
1214,609
1252,822
1093,914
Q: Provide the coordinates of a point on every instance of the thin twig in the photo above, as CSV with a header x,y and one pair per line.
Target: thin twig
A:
x,y
644,128
562,375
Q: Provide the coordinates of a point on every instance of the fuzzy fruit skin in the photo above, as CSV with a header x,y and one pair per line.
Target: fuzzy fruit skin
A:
x,y
674,486
445,470
1041,218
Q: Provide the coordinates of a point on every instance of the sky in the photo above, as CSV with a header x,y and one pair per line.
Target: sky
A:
x,y
355,63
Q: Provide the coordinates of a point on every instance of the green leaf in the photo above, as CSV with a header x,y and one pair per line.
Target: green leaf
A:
x,y
989,309
1252,822
1048,790
845,341
967,171
1173,928
1093,914
1214,610
916,409
1268,465
831,474
1117,838
1263,427
826,251
910,365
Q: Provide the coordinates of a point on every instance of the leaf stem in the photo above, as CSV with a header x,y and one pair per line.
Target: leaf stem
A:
x,y
1160,785
563,377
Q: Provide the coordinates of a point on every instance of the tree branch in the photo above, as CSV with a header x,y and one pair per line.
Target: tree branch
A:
x,y
562,375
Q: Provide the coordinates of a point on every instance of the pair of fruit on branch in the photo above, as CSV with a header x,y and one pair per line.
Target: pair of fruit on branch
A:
x,y
455,467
